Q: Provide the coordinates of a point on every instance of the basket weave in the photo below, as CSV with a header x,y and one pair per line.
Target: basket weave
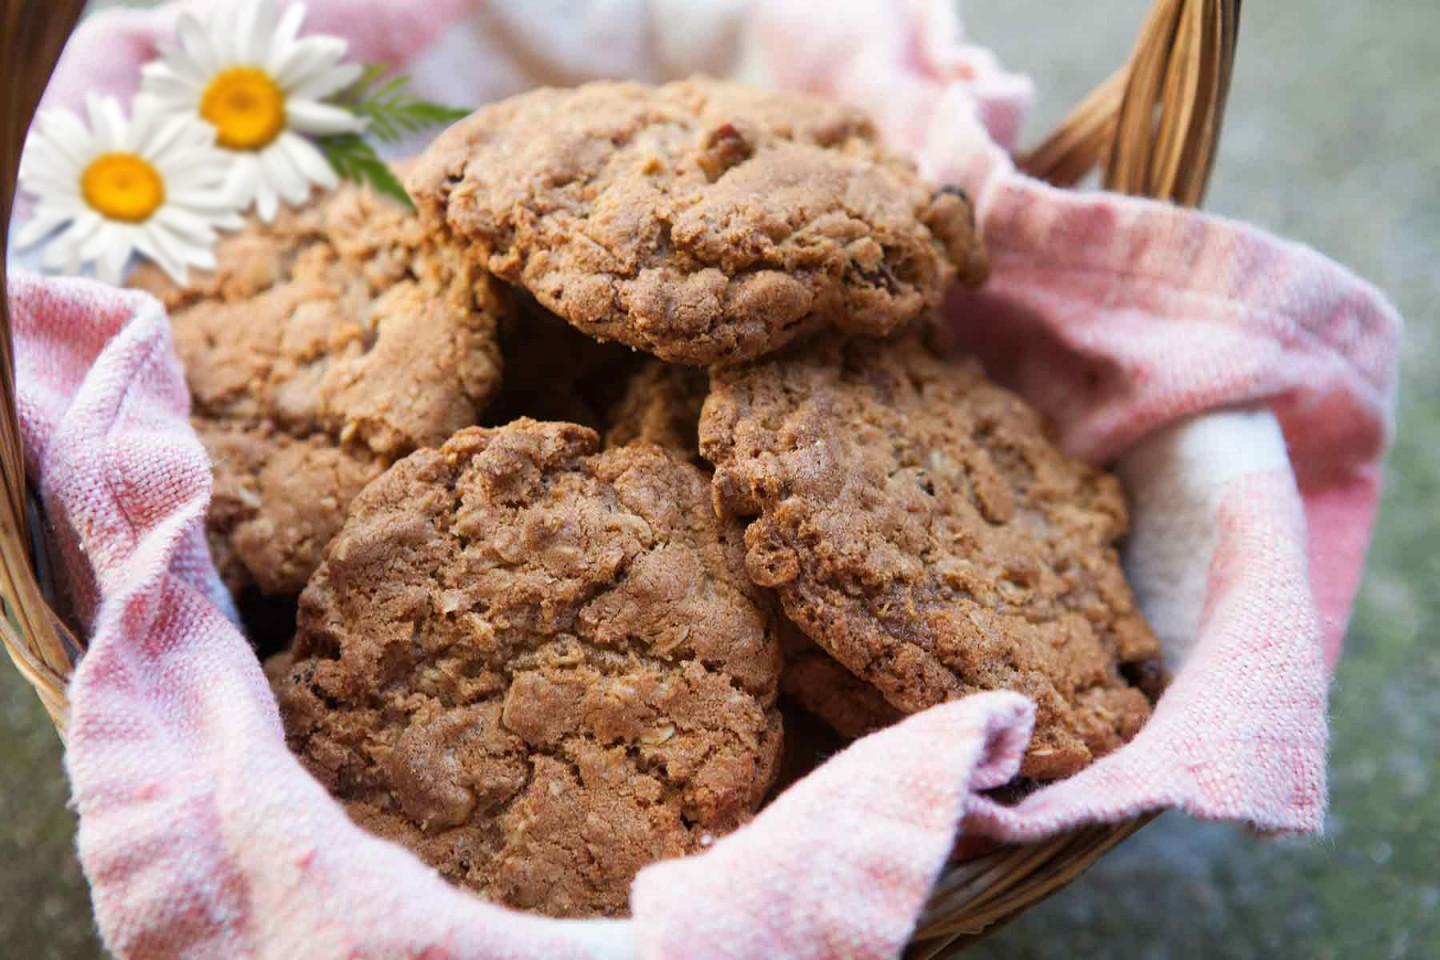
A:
x,y
1152,128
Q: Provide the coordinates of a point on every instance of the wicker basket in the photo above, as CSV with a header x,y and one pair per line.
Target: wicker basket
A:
x,y
1152,126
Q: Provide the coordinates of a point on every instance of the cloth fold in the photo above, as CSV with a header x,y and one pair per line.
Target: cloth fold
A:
x,y
1244,385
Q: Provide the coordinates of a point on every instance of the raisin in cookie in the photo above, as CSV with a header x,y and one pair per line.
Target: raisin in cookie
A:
x,y
539,666
920,527
661,405
326,345
704,222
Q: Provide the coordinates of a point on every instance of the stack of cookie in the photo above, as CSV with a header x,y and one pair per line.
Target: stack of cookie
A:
x,y
631,426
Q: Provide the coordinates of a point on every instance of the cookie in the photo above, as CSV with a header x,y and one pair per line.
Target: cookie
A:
x,y
537,665
278,500
701,221
323,347
819,685
919,526
661,405
555,372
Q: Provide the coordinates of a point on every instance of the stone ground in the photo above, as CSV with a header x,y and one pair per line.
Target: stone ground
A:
x,y
1331,139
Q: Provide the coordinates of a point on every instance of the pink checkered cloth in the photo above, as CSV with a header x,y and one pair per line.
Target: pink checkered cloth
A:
x,y
1244,384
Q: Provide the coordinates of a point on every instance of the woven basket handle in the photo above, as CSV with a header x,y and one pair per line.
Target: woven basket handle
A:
x,y
32,33
1153,125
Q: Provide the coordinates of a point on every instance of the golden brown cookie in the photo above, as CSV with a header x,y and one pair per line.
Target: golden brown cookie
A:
x,y
278,500
919,526
661,405
819,685
326,345
537,665
702,221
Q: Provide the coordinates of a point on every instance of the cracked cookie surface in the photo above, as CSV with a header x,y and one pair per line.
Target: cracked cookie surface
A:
x,y
324,346
702,221
921,528
539,666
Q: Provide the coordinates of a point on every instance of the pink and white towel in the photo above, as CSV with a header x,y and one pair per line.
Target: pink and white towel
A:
x,y
1244,385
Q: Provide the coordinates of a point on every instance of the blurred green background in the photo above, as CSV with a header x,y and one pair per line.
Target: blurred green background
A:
x,y
1332,138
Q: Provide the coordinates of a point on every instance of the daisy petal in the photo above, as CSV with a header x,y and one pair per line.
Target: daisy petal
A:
x,y
242,180
184,223
328,82
284,37
68,134
320,119
322,80
288,64
122,132
164,138
220,29
97,241
214,204
183,68
237,31
202,258
256,34
308,160
60,122
61,253
267,201
192,166
170,252
307,58
142,122
82,235
106,121
283,176
44,169
204,194
40,226
195,43
146,246
40,152
110,265
160,80
218,214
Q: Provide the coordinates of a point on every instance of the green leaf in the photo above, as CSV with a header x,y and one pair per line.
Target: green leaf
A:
x,y
357,91
390,109
353,158
391,112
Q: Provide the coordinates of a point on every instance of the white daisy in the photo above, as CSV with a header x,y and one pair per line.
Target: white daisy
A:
x,y
261,86
114,188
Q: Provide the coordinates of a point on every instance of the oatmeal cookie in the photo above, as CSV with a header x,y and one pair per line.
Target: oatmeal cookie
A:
x,y
819,685
920,527
278,499
704,222
661,405
539,666
324,346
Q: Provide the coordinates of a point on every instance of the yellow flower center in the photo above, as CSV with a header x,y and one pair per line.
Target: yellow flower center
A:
x,y
246,107
122,186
